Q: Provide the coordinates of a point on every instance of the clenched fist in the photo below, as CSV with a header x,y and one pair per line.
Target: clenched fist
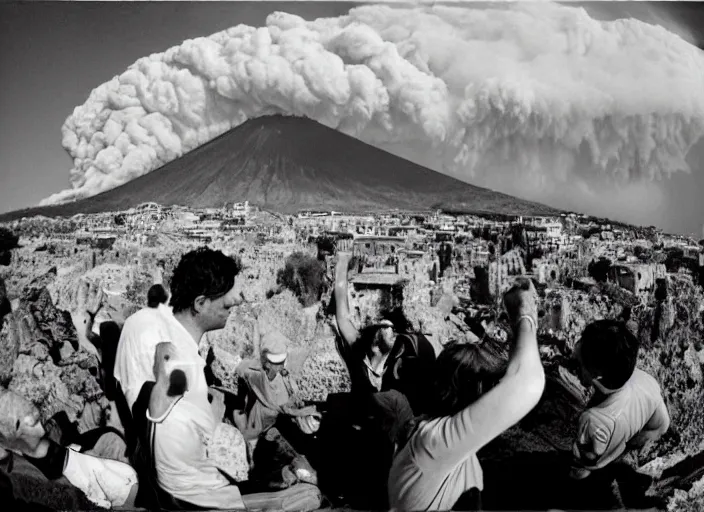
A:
x,y
171,379
521,300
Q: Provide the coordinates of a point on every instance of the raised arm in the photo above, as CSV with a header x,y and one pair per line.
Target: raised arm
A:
x,y
342,308
522,386
507,403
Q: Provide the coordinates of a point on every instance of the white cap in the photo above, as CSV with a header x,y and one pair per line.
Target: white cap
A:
x,y
274,345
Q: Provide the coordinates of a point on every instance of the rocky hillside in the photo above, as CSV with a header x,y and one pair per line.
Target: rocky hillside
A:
x,y
40,357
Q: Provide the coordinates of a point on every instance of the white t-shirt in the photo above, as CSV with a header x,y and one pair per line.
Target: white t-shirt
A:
x,y
437,465
134,360
607,427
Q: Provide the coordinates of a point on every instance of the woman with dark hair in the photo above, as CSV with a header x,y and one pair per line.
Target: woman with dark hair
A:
x,y
438,462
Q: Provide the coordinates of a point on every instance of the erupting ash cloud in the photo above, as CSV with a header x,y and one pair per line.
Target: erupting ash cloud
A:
x,y
538,100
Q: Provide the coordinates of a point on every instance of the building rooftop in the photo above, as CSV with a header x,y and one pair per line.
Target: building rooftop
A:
x,y
377,278
379,238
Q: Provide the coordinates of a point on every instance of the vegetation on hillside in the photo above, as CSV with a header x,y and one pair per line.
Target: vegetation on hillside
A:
x,y
304,275
671,337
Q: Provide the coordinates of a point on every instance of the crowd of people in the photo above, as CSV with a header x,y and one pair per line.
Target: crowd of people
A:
x,y
406,436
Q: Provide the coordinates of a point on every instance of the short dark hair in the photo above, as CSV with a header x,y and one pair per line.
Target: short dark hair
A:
x,y
463,373
157,295
202,272
609,349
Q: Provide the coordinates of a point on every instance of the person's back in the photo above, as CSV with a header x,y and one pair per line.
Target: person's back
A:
x,y
621,416
134,357
437,464
627,410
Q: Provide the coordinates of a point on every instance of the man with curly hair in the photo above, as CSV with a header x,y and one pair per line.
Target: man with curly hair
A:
x,y
201,298
202,294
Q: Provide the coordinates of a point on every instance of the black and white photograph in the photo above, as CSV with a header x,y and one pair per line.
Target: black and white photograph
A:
x,y
288,256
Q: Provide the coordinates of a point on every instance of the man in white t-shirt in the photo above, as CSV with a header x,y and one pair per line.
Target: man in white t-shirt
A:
x,y
202,294
134,361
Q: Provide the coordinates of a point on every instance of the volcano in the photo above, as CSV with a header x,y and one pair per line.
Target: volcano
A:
x,y
288,164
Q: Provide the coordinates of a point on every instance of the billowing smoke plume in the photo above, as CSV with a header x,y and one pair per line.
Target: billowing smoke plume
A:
x,y
539,100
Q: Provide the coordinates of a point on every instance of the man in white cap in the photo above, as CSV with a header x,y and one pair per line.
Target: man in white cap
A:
x,y
268,390
268,393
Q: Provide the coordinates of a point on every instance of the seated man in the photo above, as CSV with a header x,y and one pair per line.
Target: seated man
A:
x,y
269,396
105,482
203,292
159,422
627,410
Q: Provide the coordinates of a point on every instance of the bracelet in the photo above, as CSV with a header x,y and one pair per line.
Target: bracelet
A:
x,y
530,319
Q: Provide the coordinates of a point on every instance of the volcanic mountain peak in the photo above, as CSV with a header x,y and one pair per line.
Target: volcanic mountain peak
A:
x,y
288,164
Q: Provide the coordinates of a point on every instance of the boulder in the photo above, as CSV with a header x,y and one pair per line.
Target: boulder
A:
x,y
41,361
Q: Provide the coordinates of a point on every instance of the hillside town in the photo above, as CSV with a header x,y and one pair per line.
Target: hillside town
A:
x,y
475,256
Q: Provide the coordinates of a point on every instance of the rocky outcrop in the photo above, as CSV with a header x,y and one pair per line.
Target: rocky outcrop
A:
x,y
41,360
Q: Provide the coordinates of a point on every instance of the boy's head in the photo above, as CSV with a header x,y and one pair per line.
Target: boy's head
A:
x,y
606,354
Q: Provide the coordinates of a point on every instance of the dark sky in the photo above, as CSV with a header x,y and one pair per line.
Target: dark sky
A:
x,y
53,54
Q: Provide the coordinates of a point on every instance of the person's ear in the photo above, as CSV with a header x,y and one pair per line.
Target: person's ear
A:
x,y
199,303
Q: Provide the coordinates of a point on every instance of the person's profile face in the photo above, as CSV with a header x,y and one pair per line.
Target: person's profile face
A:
x,y
217,310
388,335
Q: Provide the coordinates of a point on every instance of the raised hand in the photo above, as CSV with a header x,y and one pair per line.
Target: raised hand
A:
x,y
86,300
171,381
521,300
